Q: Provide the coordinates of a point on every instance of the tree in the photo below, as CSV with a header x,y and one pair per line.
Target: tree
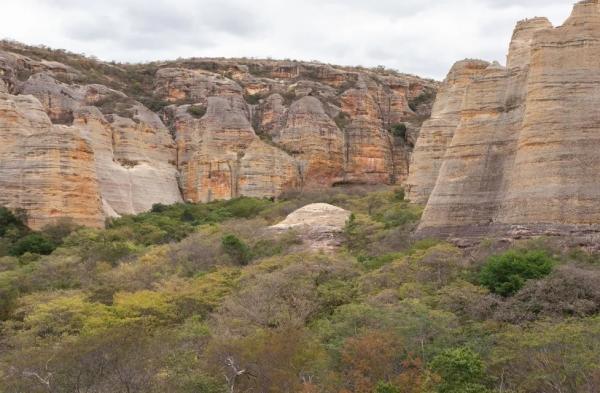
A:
x,y
9,221
460,371
236,249
35,243
549,357
59,231
384,387
377,361
280,360
505,274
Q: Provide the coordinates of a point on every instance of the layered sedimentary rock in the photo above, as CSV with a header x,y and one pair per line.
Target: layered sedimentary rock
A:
x,y
523,158
129,162
373,153
220,156
437,132
135,163
217,129
47,170
315,140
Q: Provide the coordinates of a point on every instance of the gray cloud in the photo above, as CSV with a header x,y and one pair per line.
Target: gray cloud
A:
x,y
418,36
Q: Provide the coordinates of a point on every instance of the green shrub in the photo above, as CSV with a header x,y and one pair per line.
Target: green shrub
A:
x,y
236,249
399,130
461,371
253,99
166,224
10,222
399,194
399,216
197,111
384,387
375,262
8,294
60,230
159,208
35,243
427,96
342,120
245,207
506,274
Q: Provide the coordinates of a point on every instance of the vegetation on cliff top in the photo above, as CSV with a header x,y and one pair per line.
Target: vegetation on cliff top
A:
x,y
202,298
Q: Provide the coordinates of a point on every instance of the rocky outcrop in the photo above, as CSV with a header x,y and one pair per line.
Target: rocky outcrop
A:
x,y
220,156
47,170
130,161
135,163
314,140
437,132
523,157
320,225
218,129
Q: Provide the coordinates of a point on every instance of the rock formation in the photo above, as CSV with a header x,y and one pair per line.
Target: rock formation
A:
x,y
319,224
437,132
519,155
47,170
91,140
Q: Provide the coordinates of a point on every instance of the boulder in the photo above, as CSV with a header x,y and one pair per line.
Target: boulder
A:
x,y
320,225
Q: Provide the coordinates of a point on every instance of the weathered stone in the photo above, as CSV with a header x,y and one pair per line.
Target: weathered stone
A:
x,y
437,132
272,115
179,84
319,224
135,157
16,68
524,154
234,127
220,156
370,111
46,170
315,140
134,162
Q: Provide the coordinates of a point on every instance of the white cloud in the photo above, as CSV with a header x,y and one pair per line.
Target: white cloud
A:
x,y
423,37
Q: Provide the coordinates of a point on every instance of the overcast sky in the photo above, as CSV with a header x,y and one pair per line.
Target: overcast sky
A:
x,y
423,37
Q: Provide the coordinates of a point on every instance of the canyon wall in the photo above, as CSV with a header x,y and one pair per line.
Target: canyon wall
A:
x,y
515,151
89,140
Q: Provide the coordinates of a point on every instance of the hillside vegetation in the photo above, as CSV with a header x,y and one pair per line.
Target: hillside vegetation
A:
x,y
203,298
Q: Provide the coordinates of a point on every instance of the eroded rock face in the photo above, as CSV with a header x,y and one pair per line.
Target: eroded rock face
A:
x,y
47,170
437,132
134,162
220,156
219,129
132,159
373,153
523,157
315,141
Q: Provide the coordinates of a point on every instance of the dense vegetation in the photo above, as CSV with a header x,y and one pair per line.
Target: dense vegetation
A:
x,y
203,298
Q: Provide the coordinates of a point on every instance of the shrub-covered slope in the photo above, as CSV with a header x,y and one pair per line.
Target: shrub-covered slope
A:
x,y
205,298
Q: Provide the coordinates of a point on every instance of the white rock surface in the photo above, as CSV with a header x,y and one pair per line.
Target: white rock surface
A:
x,y
320,225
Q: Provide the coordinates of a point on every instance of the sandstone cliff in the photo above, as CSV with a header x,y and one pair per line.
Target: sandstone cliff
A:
x,y
90,140
519,154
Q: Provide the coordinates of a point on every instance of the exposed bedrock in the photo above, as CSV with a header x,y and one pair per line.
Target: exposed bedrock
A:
x,y
92,140
522,158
